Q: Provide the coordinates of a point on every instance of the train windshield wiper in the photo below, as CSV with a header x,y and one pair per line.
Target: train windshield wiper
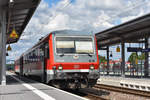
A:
x,y
85,53
61,55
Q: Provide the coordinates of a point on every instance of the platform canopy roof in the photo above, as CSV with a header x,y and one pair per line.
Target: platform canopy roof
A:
x,y
130,32
18,14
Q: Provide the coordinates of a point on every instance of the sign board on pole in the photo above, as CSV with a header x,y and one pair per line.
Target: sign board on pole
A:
x,y
146,50
118,49
133,49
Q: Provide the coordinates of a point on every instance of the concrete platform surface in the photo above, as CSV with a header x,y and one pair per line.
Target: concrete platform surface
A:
x,y
134,83
20,88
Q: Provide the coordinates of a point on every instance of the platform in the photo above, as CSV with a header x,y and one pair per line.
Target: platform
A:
x,y
133,83
21,88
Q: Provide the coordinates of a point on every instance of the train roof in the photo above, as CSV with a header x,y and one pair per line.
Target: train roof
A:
x,y
72,32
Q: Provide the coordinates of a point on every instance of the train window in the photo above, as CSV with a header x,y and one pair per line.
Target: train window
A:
x,y
38,54
46,52
80,45
84,47
34,56
65,47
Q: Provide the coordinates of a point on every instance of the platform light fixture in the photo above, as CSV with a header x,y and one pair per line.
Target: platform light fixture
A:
x,y
13,34
9,48
11,3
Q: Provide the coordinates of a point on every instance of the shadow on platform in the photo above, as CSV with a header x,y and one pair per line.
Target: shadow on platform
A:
x,y
11,81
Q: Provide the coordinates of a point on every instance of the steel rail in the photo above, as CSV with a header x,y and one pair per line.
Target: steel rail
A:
x,y
123,90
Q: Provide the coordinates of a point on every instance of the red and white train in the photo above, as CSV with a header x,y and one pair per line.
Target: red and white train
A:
x,y
64,58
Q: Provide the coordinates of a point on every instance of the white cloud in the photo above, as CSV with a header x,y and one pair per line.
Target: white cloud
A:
x,y
100,21
87,15
59,22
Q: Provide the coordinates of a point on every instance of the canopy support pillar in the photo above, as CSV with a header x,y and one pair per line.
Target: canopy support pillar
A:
x,y
146,59
123,59
2,47
107,60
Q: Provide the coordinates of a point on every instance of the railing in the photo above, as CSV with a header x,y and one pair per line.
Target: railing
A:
x,y
132,70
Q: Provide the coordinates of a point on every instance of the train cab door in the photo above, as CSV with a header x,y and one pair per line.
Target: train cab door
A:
x,y
21,66
46,57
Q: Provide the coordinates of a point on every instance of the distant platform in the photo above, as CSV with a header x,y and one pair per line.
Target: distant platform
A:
x,y
133,83
20,88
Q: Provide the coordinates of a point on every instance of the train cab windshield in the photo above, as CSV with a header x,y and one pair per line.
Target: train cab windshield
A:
x,y
74,45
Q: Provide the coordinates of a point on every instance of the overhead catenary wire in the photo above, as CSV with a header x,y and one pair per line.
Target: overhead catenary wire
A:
x,y
54,16
41,29
127,9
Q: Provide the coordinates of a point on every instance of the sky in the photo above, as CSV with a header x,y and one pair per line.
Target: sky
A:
x,y
83,15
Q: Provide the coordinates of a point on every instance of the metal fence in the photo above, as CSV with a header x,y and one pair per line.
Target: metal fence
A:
x,y
136,70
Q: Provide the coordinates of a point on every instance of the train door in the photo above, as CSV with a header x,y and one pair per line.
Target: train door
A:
x,y
45,59
21,66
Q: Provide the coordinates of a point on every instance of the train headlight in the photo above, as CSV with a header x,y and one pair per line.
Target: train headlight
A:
x,y
60,68
91,67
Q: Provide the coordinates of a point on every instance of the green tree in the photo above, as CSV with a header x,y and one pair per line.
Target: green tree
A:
x,y
102,59
142,56
132,58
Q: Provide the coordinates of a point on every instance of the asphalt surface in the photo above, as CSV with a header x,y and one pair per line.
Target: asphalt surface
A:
x,y
21,88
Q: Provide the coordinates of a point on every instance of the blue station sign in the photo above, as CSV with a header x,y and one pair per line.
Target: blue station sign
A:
x,y
133,49
146,50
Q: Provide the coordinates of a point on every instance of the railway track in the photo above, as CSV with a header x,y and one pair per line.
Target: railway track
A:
x,y
123,90
94,97
93,94
89,93
102,92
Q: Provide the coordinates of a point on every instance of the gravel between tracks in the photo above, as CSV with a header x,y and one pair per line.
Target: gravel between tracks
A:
x,y
112,95
122,96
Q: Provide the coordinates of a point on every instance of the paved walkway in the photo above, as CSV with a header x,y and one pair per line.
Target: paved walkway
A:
x,y
134,83
20,88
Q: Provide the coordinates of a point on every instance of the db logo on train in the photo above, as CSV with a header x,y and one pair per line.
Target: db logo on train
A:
x,y
76,66
76,57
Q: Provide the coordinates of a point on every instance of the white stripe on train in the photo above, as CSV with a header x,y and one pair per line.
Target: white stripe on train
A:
x,y
74,70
